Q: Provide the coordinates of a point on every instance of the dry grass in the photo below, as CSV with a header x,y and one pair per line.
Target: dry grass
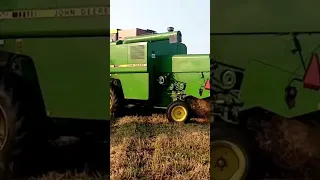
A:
x,y
151,148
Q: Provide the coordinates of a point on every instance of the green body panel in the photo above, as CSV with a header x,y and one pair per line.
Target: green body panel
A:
x,y
135,86
119,56
55,26
191,63
134,80
193,69
188,69
256,16
139,62
260,41
72,67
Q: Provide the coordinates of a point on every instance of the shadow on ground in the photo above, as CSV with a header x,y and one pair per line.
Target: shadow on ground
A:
x,y
64,159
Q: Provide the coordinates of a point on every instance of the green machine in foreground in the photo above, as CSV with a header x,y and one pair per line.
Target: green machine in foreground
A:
x,y
265,64
156,70
53,65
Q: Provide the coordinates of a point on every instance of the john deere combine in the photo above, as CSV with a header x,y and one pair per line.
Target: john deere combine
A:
x,y
53,70
156,70
266,65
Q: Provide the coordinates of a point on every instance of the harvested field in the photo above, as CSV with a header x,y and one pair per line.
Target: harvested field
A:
x,y
149,147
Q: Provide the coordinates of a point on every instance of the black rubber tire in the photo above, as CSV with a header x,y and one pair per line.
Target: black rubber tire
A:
x,y
11,148
175,104
116,105
243,140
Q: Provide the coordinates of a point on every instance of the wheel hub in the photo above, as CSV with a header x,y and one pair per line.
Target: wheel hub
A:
x,y
227,161
179,113
221,163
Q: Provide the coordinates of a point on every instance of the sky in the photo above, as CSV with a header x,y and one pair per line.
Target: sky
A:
x,y
191,17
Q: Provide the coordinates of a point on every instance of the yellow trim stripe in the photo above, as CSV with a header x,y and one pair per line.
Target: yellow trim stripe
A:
x,y
55,13
128,65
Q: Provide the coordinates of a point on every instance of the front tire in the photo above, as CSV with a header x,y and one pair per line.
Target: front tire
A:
x,y
178,111
231,151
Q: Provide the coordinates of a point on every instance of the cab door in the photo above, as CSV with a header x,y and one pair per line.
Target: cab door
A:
x,y
135,82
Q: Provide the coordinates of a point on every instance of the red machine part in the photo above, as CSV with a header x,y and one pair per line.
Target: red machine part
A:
x,y
207,86
311,79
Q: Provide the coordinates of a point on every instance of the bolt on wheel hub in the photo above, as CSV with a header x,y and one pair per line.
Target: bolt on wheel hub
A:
x,y
221,163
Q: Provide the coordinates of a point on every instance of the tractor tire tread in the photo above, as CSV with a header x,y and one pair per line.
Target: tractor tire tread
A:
x,y
116,102
12,147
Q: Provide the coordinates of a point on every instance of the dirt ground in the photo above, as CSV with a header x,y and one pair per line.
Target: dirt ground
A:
x,y
291,144
148,147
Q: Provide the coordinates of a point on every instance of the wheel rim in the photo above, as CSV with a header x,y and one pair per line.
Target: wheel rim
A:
x,y
3,128
228,161
179,113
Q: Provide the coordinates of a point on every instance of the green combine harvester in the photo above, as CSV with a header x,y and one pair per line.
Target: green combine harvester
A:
x,y
53,66
155,70
266,64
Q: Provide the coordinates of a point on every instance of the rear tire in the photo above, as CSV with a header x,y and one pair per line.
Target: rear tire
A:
x,y
115,103
11,122
231,154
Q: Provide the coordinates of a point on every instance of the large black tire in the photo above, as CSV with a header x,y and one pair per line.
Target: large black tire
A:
x,y
182,111
231,153
116,102
10,114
